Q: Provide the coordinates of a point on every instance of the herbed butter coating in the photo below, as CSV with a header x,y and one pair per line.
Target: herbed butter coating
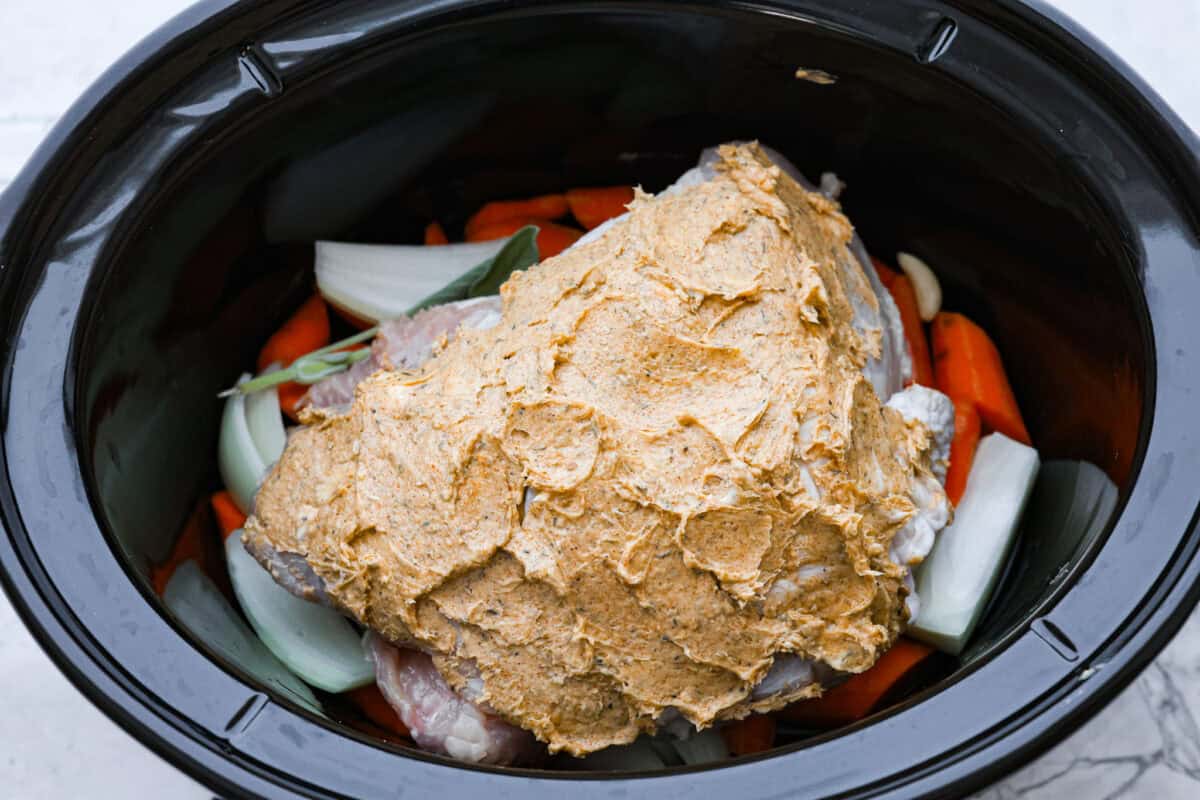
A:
x,y
663,467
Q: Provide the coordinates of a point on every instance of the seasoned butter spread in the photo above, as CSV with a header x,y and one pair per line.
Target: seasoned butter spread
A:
x,y
663,467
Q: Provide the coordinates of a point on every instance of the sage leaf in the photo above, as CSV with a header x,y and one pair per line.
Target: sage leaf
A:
x,y
519,252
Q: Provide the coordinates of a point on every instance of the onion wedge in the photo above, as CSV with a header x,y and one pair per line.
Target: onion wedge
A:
x,y
264,420
1071,504
379,282
957,578
239,459
315,642
199,606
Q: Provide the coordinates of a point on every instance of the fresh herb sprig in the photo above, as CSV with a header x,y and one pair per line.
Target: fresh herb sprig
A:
x,y
519,252
310,367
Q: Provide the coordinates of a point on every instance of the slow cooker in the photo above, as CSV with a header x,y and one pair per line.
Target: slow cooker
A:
x,y
163,230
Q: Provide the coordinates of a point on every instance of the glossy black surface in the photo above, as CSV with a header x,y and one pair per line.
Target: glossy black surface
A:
x,y
158,236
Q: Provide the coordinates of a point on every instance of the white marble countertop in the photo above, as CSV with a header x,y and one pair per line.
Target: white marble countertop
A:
x,y
56,745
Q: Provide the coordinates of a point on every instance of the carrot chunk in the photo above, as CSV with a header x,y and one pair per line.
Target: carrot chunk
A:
x,y
858,696
229,516
435,234
887,275
303,332
900,287
968,367
962,449
546,206
593,206
552,238
375,708
753,734
289,399
914,330
194,544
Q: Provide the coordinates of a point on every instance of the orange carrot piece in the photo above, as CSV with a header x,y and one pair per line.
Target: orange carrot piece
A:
x,y
887,275
968,367
229,516
858,696
375,708
289,398
593,206
753,734
962,449
192,545
435,234
552,238
914,329
304,331
546,206
900,287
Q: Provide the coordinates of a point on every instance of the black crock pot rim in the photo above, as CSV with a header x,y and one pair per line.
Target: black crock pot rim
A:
x,y
20,204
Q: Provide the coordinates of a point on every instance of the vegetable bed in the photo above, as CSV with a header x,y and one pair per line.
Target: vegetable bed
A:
x,y
313,655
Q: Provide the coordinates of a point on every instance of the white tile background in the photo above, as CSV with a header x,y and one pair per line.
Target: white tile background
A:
x,y
53,744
